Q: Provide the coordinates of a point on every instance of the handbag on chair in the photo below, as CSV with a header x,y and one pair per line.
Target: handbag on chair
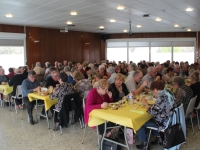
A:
x,y
173,135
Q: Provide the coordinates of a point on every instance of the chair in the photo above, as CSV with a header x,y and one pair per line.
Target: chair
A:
x,y
197,109
85,125
182,122
189,111
18,95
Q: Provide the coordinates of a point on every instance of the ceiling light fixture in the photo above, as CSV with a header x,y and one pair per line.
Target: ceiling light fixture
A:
x,y
158,19
112,20
101,27
176,25
9,15
69,22
138,26
189,9
120,7
73,13
189,30
125,30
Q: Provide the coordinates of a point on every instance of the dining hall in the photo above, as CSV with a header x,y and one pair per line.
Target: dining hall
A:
x,y
99,74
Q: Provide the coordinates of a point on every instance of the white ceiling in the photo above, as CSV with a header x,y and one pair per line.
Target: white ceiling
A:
x,y
95,13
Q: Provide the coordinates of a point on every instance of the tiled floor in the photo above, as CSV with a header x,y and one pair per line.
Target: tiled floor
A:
x,y
17,134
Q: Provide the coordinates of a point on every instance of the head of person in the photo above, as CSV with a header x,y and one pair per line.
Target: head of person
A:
x,y
2,72
131,67
11,70
119,79
78,76
22,69
170,71
46,64
88,71
38,64
194,77
137,76
152,71
70,64
177,68
110,70
122,66
91,66
101,69
66,69
56,63
159,68
59,65
80,67
102,87
177,82
52,68
54,75
118,68
98,76
17,71
65,62
31,75
62,77
73,70
185,68
96,66
156,87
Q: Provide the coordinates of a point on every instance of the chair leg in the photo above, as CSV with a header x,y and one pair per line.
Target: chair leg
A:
x,y
61,130
80,123
84,134
148,139
192,125
98,137
198,118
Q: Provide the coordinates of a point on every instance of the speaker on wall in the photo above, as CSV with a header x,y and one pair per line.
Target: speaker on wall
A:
x,y
104,37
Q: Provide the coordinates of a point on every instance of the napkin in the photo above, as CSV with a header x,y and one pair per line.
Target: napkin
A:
x,y
137,111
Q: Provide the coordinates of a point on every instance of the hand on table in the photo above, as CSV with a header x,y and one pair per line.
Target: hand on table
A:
x,y
104,105
145,83
144,101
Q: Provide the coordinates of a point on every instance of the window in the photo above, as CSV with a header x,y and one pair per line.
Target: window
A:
x,y
183,54
161,54
136,54
117,54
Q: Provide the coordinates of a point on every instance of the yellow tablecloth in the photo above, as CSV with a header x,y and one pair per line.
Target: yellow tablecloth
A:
x,y
123,116
47,101
6,89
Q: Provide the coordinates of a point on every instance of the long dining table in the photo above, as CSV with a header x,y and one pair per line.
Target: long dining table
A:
x,y
6,90
132,116
47,103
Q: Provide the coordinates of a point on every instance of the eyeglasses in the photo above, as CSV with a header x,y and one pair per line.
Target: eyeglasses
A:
x,y
105,89
33,77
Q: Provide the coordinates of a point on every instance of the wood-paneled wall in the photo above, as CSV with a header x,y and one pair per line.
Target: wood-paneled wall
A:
x,y
11,28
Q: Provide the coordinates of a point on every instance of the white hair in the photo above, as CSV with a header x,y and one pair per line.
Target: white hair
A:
x,y
38,64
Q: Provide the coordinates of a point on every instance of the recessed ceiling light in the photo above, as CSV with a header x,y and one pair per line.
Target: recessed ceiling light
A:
x,y
125,30
120,7
112,20
9,15
73,13
189,30
101,27
189,9
138,26
69,22
176,25
158,19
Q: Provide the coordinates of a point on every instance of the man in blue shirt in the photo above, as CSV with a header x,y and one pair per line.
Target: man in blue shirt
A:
x,y
30,85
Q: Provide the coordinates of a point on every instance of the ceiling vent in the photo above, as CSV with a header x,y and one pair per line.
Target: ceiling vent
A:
x,y
71,25
146,15
64,30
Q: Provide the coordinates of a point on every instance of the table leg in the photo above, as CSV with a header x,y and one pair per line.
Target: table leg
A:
x,y
104,134
47,119
126,138
36,111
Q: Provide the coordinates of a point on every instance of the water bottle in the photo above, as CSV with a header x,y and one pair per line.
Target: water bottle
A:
x,y
130,98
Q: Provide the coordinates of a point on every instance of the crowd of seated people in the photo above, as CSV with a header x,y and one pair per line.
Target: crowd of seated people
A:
x,y
110,82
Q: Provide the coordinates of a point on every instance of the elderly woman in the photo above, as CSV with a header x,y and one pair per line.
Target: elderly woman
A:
x,y
98,98
103,72
97,77
82,84
59,92
168,77
182,92
161,111
195,86
118,88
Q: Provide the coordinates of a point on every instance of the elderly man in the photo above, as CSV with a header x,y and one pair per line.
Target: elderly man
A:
x,y
38,69
150,77
16,80
80,68
159,69
131,70
53,79
29,85
111,74
132,83
3,77
177,69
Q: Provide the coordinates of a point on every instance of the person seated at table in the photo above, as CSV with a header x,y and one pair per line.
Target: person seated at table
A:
x,y
24,70
132,83
97,77
38,69
103,72
131,70
30,85
16,80
3,77
118,88
123,69
98,98
53,79
82,84
88,73
161,112
150,77
70,77
182,92
11,73
114,72
64,88
48,74
169,75
195,86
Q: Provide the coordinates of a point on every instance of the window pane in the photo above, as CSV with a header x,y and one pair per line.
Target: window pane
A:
x,y
184,54
117,54
7,56
160,54
136,54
